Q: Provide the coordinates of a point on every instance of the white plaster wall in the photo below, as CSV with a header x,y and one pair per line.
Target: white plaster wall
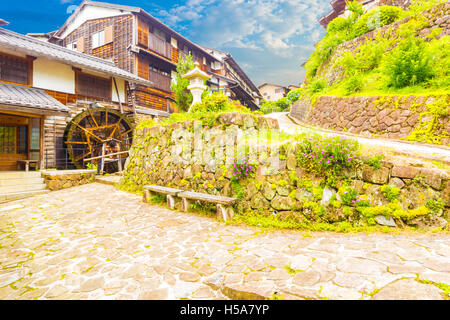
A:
x,y
52,75
89,13
270,90
121,88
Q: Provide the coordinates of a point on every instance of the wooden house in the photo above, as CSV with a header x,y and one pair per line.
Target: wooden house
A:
x,y
43,90
141,44
273,92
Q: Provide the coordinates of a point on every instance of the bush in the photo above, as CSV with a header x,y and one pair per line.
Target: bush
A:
x,y
338,24
408,64
242,169
215,102
294,95
183,97
317,85
280,105
327,157
377,18
354,84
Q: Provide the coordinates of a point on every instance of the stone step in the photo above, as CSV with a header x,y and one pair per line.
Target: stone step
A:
x,y
21,195
22,188
7,175
22,181
108,180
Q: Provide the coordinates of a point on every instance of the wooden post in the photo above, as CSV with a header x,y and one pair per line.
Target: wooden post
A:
x,y
118,95
103,159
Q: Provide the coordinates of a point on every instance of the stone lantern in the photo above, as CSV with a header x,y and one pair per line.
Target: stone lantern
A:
x,y
196,77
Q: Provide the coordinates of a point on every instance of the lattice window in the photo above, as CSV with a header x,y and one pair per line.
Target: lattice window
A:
x,y
94,87
13,69
22,140
7,140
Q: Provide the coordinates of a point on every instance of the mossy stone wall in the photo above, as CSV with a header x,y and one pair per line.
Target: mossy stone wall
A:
x,y
161,156
414,118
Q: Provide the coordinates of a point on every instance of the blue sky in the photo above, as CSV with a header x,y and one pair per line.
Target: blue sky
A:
x,y
270,39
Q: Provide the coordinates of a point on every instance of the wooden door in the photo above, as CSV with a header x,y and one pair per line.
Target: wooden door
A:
x,y
13,141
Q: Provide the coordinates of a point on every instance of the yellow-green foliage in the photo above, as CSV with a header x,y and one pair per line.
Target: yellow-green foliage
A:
x,y
394,210
392,62
427,131
390,193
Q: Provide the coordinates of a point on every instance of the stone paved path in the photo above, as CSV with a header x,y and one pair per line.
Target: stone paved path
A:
x,y
95,242
424,151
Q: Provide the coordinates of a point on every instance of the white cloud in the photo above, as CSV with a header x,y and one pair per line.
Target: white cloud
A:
x,y
282,29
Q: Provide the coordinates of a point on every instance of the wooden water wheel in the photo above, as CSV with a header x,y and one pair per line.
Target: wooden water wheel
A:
x,y
94,130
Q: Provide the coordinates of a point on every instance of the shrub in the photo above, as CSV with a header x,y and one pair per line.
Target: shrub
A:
x,y
354,84
327,157
408,64
338,24
317,85
348,195
183,97
242,169
294,95
274,106
376,18
374,161
215,102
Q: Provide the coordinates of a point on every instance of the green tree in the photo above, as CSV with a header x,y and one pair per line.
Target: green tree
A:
x,y
183,97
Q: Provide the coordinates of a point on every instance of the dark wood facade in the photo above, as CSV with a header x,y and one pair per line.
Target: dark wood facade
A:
x,y
138,44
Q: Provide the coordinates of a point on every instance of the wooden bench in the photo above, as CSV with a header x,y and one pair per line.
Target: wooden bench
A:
x,y
27,164
171,193
224,204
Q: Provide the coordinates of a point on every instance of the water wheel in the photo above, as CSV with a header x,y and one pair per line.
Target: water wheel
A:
x,y
94,130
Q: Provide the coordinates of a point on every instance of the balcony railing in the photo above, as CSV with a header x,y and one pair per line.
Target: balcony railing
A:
x,y
160,81
159,46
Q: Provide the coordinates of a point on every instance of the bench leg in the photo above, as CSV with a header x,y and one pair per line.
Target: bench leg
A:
x,y
225,213
185,205
146,198
230,213
171,202
27,167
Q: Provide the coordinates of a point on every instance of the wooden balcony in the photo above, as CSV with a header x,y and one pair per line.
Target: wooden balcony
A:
x,y
159,46
160,81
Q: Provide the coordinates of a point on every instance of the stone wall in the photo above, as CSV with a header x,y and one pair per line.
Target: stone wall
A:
x,y
62,179
418,118
437,17
283,188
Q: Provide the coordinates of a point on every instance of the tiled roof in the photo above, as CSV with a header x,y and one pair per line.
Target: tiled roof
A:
x,y
15,95
34,47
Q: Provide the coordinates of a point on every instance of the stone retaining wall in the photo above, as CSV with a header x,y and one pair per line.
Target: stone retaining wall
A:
x,y
62,179
422,118
437,17
285,188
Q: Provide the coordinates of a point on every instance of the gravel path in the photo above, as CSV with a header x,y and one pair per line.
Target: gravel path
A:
x,y
96,242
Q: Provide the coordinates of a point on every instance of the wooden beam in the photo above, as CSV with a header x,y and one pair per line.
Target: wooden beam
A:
x,y
118,95
108,155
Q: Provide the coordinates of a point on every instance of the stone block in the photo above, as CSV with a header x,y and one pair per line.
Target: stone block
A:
x,y
407,172
377,176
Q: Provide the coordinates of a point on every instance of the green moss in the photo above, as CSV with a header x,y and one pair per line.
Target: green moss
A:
x,y
390,193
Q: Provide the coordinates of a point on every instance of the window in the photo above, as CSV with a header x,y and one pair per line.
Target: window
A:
x,y
280,90
13,69
7,140
22,140
98,39
72,46
91,86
